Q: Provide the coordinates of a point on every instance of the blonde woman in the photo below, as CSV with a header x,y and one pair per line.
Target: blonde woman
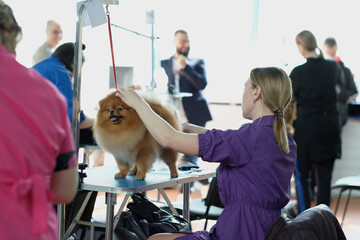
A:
x,y
256,160
317,125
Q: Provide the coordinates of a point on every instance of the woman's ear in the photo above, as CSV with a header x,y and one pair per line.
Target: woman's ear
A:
x,y
257,93
301,49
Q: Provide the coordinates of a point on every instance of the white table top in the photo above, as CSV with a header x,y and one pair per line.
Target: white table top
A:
x,y
102,179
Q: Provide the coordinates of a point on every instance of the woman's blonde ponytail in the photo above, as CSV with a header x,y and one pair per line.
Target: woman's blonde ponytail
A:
x,y
276,94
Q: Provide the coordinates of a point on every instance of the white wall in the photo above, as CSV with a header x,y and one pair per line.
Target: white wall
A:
x,y
220,32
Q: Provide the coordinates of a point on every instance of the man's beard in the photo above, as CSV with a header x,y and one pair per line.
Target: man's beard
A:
x,y
183,53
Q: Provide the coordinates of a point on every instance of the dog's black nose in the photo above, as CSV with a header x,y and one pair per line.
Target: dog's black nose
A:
x,y
111,112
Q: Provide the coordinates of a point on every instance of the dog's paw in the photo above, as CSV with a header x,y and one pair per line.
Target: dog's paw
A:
x,y
174,175
132,172
174,172
120,175
140,176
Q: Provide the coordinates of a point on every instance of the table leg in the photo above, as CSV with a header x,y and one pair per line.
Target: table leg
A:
x,y
61,220
168,202
121,209
110,199
186,204
78,215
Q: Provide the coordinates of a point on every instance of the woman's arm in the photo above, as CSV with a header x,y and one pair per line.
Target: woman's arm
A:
x,y
164,133
64,184
191,128
88,122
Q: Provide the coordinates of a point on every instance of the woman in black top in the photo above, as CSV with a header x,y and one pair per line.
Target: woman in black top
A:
x,y
317,127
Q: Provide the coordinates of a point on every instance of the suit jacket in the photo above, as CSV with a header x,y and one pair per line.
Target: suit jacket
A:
x,y
192,80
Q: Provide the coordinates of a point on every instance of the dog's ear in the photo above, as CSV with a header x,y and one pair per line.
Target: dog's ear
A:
x,y
101,103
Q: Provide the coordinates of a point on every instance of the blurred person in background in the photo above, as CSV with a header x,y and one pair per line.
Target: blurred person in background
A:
x,y
59,68
317,124
347,88
188,75
53,37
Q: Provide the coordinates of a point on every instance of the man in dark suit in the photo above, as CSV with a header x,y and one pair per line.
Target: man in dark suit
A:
x,y
188,75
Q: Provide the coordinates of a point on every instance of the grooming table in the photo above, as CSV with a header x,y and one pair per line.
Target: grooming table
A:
x,y
102,179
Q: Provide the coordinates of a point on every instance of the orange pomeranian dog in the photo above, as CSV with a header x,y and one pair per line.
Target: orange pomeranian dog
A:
x,y
119,131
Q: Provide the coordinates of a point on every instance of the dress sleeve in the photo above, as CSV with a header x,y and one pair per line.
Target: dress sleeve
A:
x,y
231,147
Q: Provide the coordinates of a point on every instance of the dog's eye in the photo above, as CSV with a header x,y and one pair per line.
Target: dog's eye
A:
x,y
119,108
108,109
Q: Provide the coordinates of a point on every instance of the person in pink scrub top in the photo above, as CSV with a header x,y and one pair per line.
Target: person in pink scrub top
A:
x,y
38,164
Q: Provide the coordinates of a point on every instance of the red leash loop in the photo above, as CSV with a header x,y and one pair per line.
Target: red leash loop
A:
x,y
111,46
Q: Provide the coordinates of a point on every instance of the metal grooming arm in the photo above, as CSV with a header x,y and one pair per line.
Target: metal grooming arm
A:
x,y
77,70
76,97
152,38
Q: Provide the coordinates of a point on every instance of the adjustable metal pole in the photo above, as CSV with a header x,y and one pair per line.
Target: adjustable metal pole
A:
x,y
110,199
153,83
152,38
76,106
77,77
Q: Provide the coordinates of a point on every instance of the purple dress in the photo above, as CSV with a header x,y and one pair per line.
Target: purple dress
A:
x,y
253,178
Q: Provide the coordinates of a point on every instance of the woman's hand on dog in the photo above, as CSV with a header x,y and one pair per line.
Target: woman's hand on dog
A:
x,y
129,96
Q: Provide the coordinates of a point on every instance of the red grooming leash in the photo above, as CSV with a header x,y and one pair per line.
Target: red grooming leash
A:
x,y
111,44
